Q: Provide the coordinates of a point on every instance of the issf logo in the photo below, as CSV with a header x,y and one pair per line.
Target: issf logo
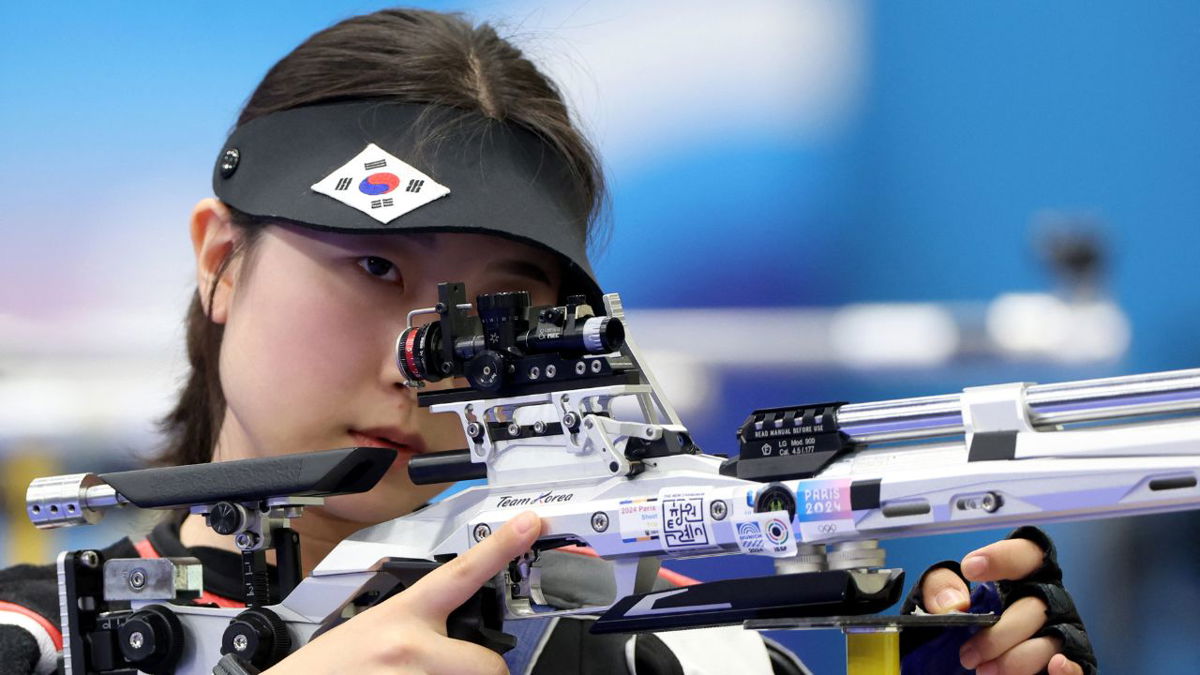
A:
x,y
379,183
777,532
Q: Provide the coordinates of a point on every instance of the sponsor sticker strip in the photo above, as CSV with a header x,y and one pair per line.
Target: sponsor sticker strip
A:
x,y
638,519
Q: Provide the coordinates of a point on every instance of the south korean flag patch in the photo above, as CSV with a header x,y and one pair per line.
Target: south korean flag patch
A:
x,y
380,185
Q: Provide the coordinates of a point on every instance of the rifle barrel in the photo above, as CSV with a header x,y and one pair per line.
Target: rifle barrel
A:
x,y
1175,391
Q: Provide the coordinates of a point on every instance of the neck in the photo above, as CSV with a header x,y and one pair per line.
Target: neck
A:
x,y
319,533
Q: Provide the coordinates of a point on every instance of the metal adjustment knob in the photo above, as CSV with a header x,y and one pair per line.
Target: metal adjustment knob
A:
x,y
258,636
848,555
151,639
808,558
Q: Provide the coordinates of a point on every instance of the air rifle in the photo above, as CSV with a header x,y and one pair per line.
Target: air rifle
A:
x,y
562,416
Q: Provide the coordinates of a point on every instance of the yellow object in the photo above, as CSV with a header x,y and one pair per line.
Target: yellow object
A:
x,y
24,543
874,651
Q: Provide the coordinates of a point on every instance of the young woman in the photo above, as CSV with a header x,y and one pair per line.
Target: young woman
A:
x,y
355,180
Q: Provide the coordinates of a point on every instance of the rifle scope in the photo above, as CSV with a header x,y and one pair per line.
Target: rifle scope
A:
x,y
508,341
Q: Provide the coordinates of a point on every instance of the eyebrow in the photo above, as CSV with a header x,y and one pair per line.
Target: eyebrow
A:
x,y
424,239
514,266
521,268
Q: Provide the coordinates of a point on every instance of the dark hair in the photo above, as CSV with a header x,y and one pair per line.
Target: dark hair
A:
x,y
412,56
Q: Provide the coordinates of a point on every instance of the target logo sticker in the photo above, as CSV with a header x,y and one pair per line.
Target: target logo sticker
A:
x,y
380,185
765,534
778,532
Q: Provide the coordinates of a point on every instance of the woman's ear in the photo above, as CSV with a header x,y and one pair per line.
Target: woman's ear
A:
x,y
213,240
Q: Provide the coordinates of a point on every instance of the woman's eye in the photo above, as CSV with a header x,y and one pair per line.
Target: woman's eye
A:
x,y
379,267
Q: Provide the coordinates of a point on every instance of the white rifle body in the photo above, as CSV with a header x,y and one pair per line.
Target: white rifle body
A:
x,y
588,491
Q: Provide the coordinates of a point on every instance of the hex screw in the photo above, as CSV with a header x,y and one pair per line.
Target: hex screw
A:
x,y
539,427
571,421
240,643
246,540
475,431
136,639
718,509
89,559
514,429
535,373
580,367
599,521
481,532
990,502
551,370
137,579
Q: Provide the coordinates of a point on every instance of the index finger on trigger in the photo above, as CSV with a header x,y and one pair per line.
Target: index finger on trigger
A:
x,y
1010,560
441,591
943,591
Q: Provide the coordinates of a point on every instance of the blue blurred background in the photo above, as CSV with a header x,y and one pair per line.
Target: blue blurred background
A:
x,y
794,157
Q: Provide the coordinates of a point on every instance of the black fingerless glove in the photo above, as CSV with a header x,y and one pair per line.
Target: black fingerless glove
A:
x,y
1062,619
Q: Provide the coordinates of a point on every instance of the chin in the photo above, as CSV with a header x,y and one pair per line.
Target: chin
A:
x,y
388,500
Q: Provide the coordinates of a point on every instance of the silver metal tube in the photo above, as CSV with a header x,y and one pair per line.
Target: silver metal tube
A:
x,y
1049,405
71,499
102,496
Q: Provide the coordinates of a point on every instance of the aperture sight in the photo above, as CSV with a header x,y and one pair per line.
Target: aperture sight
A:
x,y
509,345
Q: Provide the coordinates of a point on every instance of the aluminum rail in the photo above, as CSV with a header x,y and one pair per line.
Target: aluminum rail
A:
x,y
1174,391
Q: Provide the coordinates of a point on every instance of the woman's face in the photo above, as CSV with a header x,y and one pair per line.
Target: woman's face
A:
x,y
307,361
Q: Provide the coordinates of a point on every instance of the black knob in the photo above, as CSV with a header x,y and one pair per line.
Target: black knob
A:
x,y
151,639
226,518
508,300
229,162
485,371
259,636
776,497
